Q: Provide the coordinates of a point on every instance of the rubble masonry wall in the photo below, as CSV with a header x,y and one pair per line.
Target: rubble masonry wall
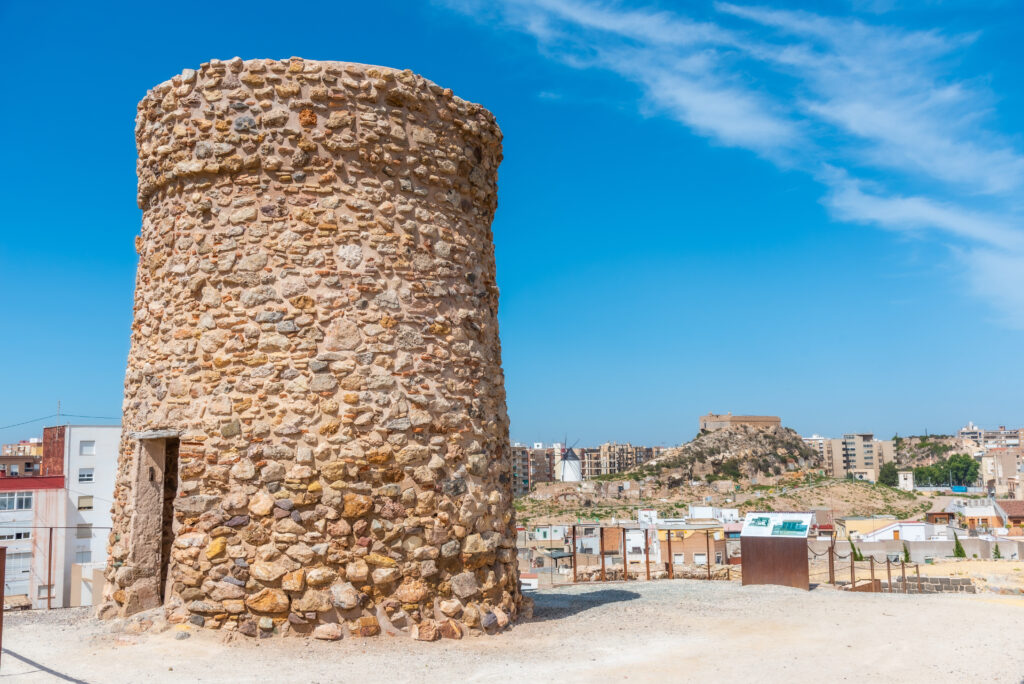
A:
x,y
315,315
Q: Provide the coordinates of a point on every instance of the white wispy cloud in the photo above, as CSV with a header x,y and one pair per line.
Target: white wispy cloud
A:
x,y
879,114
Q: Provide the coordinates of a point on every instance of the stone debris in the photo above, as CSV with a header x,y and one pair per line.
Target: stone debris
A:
x,y
316,319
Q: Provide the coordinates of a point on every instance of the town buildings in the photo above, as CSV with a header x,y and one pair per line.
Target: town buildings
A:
x,y
21,458
55,522
1000,437
532,466
717,421
999,471
611,458
856,455
558,463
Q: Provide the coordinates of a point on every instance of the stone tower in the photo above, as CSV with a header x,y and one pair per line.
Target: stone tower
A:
x,y
316,438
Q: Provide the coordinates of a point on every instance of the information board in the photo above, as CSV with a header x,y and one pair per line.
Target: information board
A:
x,y
777,525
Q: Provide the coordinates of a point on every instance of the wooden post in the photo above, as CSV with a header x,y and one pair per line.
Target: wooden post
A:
x,y
671,563
903,567
574,554
707,550
3,574
600,549
888,573
49,570
647,552
625,558
832,564
871,563
917,569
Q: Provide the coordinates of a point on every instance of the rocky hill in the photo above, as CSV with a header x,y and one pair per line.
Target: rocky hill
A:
x,y
925,450
735,453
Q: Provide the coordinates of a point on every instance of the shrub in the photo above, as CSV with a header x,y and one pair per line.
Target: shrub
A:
x,y
906,553
958,548
996,553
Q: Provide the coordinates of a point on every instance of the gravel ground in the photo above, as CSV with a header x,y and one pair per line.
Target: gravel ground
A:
x,y
663,631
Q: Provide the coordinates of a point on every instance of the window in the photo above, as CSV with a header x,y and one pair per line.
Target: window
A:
x,y
18,564
85,503
44,590
15,501
85,475
87,448
14,469
11,535
83,532
83,556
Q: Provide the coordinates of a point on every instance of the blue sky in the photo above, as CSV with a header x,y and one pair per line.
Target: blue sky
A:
x,y
812,211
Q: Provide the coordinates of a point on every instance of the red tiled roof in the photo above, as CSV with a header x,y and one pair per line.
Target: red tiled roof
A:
x,y
1013,507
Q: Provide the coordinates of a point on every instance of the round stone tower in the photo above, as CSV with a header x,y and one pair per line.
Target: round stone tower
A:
x,y
315,432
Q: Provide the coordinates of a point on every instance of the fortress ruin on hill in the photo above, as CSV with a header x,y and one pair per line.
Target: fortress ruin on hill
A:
x,y
316,437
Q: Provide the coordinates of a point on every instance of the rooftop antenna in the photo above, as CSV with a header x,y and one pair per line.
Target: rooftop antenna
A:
x,y
58,412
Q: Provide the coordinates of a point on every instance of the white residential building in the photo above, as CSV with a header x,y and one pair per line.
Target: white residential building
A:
x,y
724,515
55,525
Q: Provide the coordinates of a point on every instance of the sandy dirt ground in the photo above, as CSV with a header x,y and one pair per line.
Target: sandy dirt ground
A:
x,y
991,575
667,631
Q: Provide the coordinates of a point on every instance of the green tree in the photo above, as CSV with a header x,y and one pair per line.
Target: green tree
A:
x,y
888,475
963,469
996,553
857,555
906,553
958,548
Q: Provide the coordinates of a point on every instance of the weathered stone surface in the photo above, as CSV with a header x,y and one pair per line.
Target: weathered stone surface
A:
x,y
450,630
316,319
344,596
357,570
312,600
464,585
385,575
268,601
294,581
356,505
367,626
272,570
329,631
426,630
320,577
411,590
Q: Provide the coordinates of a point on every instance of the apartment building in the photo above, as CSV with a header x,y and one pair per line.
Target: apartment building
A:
x,y
532,466
611,458
1002,437
55,523
21,458
857,455
999,471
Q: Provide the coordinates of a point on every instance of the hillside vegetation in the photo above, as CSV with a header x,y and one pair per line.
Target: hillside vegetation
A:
x,y
735,453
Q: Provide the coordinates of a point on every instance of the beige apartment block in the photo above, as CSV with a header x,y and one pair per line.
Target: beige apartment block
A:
x,y
858,455
611,458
